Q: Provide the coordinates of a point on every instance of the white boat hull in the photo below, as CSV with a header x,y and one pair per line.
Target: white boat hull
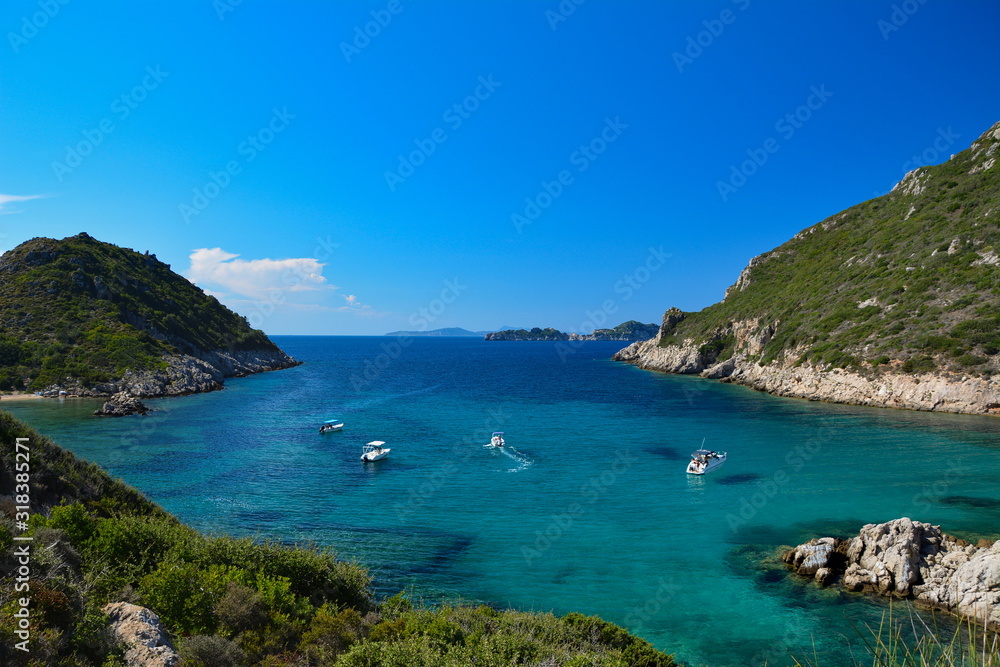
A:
x,y
696,468
375,456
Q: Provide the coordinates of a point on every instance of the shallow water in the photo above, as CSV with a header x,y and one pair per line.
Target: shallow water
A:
x,y
588,509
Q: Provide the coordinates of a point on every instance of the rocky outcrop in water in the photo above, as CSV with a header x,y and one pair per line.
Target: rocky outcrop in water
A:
x,y
140,631
817,558
905,558
121,404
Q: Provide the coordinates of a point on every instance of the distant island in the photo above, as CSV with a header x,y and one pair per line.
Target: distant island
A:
x,y
626,331
92,319
894,302
448,331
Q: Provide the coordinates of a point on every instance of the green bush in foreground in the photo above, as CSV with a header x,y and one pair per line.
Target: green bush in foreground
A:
x,y
886,646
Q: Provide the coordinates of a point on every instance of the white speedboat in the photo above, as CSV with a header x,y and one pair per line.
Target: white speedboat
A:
x,y
331,425
374,451
705,460
497,440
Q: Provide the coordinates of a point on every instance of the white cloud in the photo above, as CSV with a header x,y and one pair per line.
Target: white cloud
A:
x,y
6,199
352,303
255,278
217,295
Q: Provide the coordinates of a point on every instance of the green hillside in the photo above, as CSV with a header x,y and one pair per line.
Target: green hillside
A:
x,y
82,309
631,330
536,333
228,602
910,279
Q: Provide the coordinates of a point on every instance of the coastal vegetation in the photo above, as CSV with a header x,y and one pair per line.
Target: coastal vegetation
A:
x,y
80,312
631,330
535,333
228,601
905,282
890,645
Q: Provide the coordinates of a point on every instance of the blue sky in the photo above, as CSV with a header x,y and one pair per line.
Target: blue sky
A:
x,y
473,164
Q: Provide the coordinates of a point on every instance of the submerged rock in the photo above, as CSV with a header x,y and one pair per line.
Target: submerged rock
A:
x,y
139,630
121,405
906,558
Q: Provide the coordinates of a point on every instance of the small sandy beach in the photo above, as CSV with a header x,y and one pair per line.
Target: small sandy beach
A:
x,y
18,397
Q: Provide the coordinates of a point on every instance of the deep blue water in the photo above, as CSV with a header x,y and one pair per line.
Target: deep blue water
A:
x,y
588,509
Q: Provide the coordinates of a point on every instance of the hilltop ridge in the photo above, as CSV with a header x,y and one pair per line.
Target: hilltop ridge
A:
x,y
894,302
94,319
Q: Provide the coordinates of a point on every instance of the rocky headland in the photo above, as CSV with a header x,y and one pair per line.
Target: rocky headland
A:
x,y
185,374
81,317
909,559
890,303
885,387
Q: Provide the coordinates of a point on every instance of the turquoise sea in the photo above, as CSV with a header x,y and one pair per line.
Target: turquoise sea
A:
x,y
589,508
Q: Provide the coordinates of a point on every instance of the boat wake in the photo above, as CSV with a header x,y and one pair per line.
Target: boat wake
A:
x,y
221,501
522,460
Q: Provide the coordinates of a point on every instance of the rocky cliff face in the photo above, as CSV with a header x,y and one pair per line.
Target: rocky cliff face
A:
x,y
889,303
905,558
936,391
186,374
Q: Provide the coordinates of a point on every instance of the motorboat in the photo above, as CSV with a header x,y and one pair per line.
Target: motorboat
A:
x,y
331,425
374,451
705,460
497,440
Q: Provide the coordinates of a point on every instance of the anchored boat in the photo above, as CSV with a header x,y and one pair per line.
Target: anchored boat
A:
x,y
705,460
331,425
374,451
